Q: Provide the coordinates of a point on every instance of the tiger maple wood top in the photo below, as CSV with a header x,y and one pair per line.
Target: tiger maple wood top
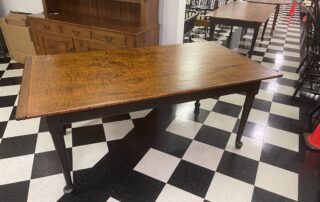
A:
x,y
275,2
57,84
244,11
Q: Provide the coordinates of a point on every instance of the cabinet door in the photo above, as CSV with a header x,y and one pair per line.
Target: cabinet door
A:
x,y
91,45
54,43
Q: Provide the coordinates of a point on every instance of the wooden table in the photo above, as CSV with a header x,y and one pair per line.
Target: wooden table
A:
x,y
242,14
278,3
74,87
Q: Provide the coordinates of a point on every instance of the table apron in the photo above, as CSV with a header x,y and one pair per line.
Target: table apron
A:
x,y
234,22
154,103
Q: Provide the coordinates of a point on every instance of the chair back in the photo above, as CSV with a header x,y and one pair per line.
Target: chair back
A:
x,y
189,21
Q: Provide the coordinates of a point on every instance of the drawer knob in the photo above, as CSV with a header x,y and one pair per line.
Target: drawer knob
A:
x,y
109,38
76,32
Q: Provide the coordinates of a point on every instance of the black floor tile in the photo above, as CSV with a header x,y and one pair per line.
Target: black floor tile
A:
x,y
15,66
280,157
43,127
213,136
116,118
191,178
88,135
238,167
138,187
3,126
47,163
10,81
18,146
283,123
261,105
7,101
252,130
286,82
170,143
13,113
227,109
16,192
261,195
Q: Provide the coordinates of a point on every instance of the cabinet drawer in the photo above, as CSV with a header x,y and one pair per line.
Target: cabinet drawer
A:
x,y
109,37
45,25
76,31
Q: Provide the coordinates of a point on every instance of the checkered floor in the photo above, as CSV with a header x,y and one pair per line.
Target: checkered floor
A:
x,y
169,154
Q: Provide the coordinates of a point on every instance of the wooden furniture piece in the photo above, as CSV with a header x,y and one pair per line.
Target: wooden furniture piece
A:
x,y
242,14
67,88
189,21
278,3
76,26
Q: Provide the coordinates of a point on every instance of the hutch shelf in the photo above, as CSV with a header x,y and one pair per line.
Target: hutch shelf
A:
x,y
85,25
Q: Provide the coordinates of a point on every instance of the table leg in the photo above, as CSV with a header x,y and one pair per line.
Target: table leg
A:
x,y
57,132
212,28
254,39
197,107
264,29
245,112
275,19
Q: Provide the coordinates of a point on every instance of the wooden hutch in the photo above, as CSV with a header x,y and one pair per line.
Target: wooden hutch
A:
x,y
85,25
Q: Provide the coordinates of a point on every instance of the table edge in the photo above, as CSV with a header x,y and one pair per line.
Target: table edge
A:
x,y
22,108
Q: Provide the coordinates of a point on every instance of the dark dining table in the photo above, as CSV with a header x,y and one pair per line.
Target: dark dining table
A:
x,y
242,14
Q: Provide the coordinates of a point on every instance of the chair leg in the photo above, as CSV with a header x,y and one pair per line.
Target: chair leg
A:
x,y
302,62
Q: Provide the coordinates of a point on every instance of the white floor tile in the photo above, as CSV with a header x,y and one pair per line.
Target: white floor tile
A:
x,y
87,123
112,200
140,114
257,116
9,90
87,156
277,180
226,189
16,169
118,129
285,110
44,143
282,139
12,73
4,66
236,99
173,194
48,188
290,75
23,127
251,147
221,121
185,128
208,104
286,90
203,155
265,95
158,165
5,113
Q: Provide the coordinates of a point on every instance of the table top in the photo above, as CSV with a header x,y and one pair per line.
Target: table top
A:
x,y
274,2
244,11
58,84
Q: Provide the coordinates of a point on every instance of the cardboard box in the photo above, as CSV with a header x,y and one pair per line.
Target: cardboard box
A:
x,y
17,19
18,56
18,40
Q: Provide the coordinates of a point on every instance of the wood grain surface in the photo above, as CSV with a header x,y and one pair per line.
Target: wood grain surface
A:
x,y
274,2
244,11
57,84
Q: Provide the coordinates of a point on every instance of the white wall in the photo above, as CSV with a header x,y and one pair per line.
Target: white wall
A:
x,y
171,19
29,6
171,16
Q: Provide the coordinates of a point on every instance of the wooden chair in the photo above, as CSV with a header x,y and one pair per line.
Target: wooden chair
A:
x,y
189,22
310,76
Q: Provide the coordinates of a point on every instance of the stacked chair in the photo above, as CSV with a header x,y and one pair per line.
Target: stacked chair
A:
x,y
309,80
